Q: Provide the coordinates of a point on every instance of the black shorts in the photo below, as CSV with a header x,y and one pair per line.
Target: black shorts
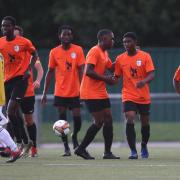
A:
x,y
71,103
143,109
27,105
95,105
15,88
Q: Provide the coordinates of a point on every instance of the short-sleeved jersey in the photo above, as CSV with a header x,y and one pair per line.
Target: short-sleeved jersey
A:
x,y
2,93
92,88
177,74
30,88
66,63
134,69
15,54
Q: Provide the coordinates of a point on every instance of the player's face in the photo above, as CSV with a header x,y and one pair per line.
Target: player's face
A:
x,y
66,36
108,41
129,44
7,28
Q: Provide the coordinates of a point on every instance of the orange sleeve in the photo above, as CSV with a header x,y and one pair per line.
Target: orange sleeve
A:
x,y
177,74
52,63
29,46
149,64
109,63
92,57
118,70
81,57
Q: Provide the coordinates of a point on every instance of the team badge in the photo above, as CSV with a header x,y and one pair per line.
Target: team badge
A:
x,y
16,48
138,62
73,55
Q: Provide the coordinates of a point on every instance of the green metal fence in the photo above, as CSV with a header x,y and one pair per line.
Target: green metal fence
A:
x,y
166,60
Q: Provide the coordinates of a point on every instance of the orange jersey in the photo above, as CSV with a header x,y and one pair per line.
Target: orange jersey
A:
x,y
177,74
30,88
134,69
66,63
92,88
15,54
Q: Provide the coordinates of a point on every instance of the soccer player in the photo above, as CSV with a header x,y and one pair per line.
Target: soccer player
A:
x,y
5,137
93,92
176,80
67,61
15,50
27,103
137,70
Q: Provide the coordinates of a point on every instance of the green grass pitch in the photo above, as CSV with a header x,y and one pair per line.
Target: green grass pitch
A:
x,y
163,164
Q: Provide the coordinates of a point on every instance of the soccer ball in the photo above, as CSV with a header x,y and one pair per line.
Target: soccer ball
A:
x,y
61,127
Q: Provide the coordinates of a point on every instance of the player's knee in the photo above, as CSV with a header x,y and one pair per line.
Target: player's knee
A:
x,y
99,124
130,117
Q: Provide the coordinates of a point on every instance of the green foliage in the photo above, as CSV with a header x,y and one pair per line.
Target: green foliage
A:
x,y
156,22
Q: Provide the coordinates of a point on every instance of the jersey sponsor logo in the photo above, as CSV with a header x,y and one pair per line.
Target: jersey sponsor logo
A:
x,y
11,57
68,65
133,72
73,55
16,48
138,62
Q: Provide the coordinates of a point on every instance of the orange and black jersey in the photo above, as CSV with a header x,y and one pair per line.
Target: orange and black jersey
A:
x,y
15,54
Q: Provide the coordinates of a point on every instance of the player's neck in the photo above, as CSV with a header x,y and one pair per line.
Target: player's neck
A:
x,y
101,47
132,52
66,46
10,37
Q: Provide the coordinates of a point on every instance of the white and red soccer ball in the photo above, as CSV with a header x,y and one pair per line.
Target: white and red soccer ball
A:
x,y
61,127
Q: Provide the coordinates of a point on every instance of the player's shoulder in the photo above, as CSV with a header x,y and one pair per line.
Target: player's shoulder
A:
x,y
121,56
2,39
75,46
144,53
55,49
22,39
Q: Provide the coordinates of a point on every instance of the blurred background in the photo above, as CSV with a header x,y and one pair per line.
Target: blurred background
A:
x,y
157,25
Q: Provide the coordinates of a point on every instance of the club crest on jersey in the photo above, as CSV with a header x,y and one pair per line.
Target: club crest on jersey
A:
x,y
138,62
73,55
16,48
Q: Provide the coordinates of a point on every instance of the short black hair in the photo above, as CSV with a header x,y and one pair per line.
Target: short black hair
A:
x,y
20,29
130,35
103,32
65,27
10,18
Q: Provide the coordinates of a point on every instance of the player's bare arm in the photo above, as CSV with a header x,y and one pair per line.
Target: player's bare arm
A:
x,y
176,85
91,73
80,71
148,79
40,73
47,81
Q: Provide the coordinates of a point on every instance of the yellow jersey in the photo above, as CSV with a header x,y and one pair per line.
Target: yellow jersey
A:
x,y
2,93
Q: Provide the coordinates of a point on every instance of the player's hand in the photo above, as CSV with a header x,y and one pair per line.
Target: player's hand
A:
x,y
110,80
36,84
140,84
43,99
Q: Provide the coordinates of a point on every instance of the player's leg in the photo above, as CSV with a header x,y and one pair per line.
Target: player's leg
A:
x,y
27,107
94,107
75,106
130,115
108,134
145,128
62,104
17,94
6,139
76,127
62,115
